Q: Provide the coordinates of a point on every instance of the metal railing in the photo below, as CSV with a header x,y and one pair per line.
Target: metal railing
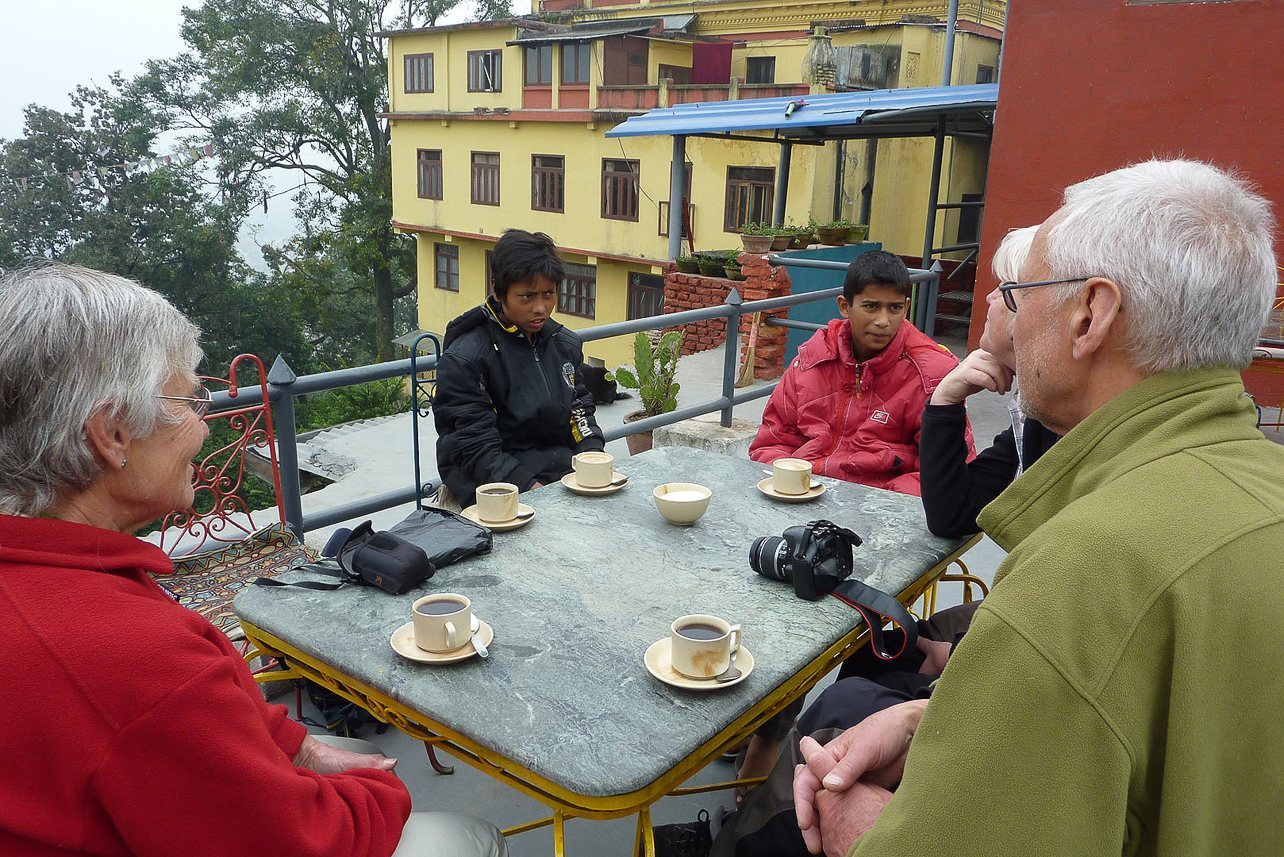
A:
x,y
284,386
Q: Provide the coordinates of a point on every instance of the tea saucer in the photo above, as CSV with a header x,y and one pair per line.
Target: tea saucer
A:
x,y
767,486
659,663
522,509
570,482
403,643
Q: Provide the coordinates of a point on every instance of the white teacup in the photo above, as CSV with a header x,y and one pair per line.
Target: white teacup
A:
x,y
443,622
791,475
702,645
593,469
497,502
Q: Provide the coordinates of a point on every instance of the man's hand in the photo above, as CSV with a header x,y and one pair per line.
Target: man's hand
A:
x,y
935,655
845,816
325,759
535,484
873,753
978,371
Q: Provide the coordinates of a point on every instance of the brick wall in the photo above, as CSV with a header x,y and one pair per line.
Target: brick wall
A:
x,y
693,291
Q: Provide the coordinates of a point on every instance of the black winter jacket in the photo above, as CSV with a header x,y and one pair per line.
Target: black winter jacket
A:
x,y
956,490
507,409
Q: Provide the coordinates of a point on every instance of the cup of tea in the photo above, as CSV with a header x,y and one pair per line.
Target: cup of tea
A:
x,y
497,502
443,622
702,645
791,475
593,469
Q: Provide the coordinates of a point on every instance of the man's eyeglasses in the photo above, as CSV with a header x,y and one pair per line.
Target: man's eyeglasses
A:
x,y
200,403
1007,288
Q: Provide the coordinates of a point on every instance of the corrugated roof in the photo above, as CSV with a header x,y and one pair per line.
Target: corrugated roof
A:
x,y
877,113
606,29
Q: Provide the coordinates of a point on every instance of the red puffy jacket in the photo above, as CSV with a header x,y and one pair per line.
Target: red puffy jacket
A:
x,y
858,422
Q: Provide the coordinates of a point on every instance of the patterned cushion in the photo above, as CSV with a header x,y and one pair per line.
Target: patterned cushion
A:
x,y
208,582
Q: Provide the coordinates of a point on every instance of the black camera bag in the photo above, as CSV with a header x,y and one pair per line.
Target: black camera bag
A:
x,y
385,560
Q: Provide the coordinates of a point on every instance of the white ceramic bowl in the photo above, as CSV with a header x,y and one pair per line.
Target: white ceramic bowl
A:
x,y
681,502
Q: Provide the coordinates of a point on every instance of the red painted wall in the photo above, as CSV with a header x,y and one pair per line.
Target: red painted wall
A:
x,y
1091,85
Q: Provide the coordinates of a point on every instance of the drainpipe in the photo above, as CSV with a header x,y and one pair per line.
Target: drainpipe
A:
x,y
677,193
948,61
782,184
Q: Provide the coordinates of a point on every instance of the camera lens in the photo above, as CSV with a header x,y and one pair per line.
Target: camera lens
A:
x,y
765,556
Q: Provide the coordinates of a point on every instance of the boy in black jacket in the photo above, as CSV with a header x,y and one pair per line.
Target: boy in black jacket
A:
x,y
510,403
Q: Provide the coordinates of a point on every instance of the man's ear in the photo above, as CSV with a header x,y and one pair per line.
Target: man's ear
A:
x,y
1095,317
844,308
108,435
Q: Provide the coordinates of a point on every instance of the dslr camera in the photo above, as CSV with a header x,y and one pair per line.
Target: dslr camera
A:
x,y
816,557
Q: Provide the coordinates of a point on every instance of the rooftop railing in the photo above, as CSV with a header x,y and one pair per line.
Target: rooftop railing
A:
x,y
284,386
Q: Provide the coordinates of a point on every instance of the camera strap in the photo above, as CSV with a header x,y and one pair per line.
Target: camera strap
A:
x,y
877,607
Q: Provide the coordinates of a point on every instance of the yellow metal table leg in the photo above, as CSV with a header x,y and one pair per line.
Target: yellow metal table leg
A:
x,y
644,842
559,833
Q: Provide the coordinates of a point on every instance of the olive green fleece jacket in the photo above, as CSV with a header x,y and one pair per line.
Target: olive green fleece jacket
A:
x,y
1121,690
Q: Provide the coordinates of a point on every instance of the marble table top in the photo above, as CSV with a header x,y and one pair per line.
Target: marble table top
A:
x,y
577,595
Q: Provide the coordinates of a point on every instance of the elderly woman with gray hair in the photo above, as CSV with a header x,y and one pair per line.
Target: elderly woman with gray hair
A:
x,y
132,725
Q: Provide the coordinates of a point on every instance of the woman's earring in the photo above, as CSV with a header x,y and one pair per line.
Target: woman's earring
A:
x,y
123,462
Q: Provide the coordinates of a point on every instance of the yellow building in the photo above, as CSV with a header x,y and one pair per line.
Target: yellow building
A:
x,y
501,124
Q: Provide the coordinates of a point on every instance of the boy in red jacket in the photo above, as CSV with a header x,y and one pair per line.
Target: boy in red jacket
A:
x,y
852,401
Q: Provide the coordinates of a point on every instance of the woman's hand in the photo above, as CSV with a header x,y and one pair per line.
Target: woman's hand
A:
x,y
325,759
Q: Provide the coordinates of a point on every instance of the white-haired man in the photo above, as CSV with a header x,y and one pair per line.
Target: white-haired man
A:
x,y
1098,705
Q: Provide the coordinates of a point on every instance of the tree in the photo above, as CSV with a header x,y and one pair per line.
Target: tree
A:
x,y
299,86
73,190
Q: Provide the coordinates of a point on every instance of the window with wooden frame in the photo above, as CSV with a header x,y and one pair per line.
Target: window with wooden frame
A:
x,y
750,194
575,63
429,171
485,71
539,65
446,261
548,183
679,75
760,70
577,295
664,208
646,295
620,189
418,77
485,178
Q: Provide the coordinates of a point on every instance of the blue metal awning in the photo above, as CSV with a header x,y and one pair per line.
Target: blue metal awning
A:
x,y
840,115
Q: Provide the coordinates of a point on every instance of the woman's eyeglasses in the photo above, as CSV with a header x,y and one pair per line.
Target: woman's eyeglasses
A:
x,y
200,403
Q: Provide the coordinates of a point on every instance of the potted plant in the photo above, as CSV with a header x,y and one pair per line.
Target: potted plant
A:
x,y
858,233
711,264
655,368
756,237
732,265
782,237
687,264
834,232
800,236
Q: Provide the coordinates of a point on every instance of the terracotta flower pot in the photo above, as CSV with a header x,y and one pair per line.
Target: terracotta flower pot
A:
x,y
858,233
640,442
832,237
756,243
781,242
687,266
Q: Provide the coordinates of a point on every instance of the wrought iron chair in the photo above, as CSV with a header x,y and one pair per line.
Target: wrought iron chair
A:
x,y
423,391
219,544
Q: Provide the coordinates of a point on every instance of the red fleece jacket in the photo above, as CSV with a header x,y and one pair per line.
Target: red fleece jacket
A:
x,y
858,422
133,727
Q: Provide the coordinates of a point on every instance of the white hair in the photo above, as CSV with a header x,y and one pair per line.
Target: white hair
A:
x,y
76,341
1011,253
1189,246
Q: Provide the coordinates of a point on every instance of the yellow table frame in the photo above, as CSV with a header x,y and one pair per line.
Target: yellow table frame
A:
x,y
566,804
